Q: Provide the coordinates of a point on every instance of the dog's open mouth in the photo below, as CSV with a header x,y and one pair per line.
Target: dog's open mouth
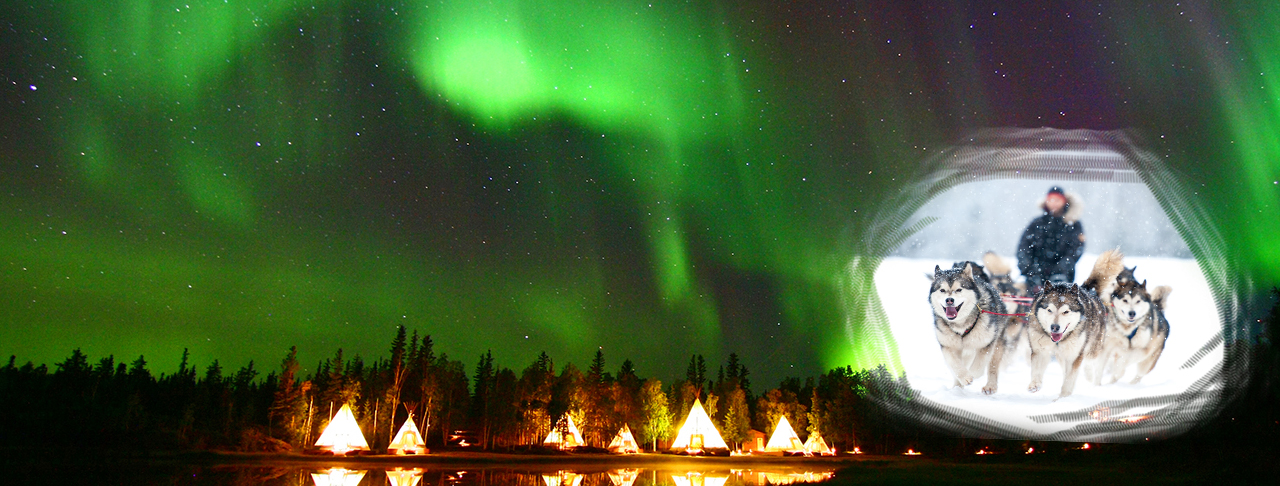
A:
x,y
951,311
1055,336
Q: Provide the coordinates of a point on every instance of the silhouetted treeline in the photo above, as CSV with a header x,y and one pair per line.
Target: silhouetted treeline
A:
x,y
81,402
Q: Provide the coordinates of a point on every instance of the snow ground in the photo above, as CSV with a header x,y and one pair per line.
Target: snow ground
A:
x,y
1193,321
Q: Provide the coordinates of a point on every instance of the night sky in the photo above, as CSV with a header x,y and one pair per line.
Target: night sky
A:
x,y
656,179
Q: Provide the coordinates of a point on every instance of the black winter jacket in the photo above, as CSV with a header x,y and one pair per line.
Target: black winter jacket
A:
x,y
1051,245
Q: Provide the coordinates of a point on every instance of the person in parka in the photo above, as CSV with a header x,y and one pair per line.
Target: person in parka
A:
x,y
1052,244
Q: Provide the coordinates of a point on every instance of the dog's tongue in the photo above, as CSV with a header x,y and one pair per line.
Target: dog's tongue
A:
x,y
952,312
1055,336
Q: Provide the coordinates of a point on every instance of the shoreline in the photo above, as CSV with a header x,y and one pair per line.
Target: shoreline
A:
x,y
454,460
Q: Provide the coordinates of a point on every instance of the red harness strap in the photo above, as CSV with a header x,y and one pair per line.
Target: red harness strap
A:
x,y
984,311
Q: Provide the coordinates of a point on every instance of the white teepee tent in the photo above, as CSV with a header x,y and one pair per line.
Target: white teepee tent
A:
x,y
698,432
817,446
624,442
564,435
408,440
343,434
784,438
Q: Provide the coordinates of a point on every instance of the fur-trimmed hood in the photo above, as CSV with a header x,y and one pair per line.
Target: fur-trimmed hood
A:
x,y
1075,207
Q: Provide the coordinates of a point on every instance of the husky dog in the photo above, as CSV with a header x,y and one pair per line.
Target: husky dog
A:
x,y
999,274
1069,322
1126,275
1136,330
969,334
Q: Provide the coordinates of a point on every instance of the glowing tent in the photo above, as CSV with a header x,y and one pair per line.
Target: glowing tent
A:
x,y
784,438
698,433
342,435
624,442
817,446
564,434
408,440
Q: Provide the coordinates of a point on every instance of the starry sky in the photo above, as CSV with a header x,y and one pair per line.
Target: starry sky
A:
x,y
654,179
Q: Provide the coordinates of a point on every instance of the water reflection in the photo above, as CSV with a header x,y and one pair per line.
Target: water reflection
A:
x,y
566,477
337,477
404,477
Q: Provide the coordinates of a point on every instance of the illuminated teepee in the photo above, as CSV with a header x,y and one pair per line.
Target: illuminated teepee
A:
x,y
564,434
698,433
784,438
408,440
816,446
624,442
342,435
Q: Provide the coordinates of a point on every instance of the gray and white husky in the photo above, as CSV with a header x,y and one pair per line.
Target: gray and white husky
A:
x,y
1136,330
1000,274
968,331
1069,322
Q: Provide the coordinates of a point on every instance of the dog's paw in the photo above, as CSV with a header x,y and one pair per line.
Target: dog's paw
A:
x,y
964,380
1033,387
989,389
1113,379
1135,380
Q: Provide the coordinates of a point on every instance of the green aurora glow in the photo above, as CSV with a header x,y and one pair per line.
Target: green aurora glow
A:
x,y
658,179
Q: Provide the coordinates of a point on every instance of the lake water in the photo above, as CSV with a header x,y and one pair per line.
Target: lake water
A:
x,y
237,475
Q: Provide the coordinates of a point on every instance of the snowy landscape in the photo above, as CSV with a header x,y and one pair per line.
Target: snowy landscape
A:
x,y
903,289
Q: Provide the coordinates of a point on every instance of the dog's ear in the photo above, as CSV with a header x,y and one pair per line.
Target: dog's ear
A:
x,y
1075,288
937,271
968,271
1144,284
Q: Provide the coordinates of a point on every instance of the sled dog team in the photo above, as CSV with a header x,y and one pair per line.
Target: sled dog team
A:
x,y
1106,323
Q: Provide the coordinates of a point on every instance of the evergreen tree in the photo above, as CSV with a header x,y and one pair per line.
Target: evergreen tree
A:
x,y
289,407
396,377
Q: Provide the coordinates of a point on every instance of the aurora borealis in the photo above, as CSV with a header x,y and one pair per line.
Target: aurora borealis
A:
x,y
654,178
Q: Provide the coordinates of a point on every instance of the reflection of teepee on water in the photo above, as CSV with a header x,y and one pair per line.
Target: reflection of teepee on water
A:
x,y
796,477
337,477
562,478
784,438
404,477
698,433
343,434
623,477
408,440
699,479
